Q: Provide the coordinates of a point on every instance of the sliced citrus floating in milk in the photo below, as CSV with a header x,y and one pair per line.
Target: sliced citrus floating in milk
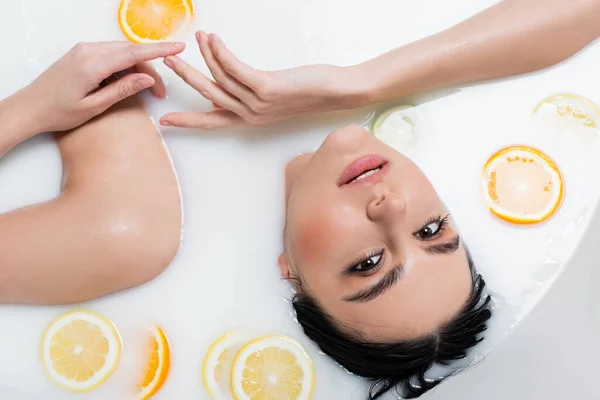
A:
x,y
217,365
147,21
399,127
522,185
158,364
80,350
571,109
270,368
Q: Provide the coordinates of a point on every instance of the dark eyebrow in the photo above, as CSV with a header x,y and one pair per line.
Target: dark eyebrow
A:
x,y
390,278
372,292
444,248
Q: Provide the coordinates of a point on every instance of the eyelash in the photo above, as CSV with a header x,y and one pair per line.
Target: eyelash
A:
x,y
351,269
443,222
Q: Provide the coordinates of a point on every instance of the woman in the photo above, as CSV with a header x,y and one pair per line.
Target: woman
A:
x,y
110,228
384,283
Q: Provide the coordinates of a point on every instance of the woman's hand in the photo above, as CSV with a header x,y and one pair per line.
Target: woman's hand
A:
x,y
244,95
75,88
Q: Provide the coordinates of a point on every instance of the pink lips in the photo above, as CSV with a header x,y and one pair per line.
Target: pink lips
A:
x,y
362,165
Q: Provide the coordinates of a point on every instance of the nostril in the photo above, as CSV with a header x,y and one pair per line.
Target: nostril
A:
x,y
380,200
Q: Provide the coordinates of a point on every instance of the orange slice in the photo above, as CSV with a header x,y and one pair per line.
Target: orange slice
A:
x,y
159,363
148,21
80,350
572,107
522,185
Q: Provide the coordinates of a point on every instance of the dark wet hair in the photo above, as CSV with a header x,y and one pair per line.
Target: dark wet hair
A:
x,y
402,364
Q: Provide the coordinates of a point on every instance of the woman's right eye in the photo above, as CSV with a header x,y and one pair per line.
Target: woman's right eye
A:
x,y
368,264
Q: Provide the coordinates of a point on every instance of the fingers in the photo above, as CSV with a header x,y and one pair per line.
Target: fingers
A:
x,y
224,79
126,55
119,90
231,64
209,121
158,90
207,88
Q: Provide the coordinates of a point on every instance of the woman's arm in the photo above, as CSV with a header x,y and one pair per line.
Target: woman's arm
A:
x,y
15,127
109,229
512,37
115,225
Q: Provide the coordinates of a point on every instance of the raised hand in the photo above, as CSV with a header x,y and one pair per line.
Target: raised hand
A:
x,y
244,95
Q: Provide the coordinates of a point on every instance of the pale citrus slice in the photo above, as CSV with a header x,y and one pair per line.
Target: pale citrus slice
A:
x,y
572,107
147,21
217,365
522,185
159,363
80,350
270,368
399,127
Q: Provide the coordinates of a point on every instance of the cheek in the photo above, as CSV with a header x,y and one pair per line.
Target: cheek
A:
x,y
422,199
314,237
317,235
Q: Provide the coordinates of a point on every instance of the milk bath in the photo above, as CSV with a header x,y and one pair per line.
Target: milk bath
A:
x,y
225,276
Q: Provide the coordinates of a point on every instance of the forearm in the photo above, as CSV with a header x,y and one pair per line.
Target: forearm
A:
x,y
512,37
16,123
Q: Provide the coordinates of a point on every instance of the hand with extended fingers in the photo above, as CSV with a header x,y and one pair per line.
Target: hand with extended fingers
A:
x,y
243,95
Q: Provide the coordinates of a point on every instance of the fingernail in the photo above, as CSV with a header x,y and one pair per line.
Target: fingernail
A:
x,y
179,45
198,35
169,62
211,38
145,81
166,123
160,94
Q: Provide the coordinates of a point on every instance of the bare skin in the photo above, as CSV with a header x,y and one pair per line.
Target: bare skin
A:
x,y
512,37
117,222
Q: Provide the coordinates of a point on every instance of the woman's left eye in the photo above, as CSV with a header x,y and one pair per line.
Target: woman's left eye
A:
x,y
432,229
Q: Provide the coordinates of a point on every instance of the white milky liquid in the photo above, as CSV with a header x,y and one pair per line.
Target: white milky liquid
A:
x,y
225,275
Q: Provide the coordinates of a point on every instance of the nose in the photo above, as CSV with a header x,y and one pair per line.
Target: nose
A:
x,y
350,138
387,207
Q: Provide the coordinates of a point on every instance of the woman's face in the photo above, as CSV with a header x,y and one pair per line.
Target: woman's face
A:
x,y
370,239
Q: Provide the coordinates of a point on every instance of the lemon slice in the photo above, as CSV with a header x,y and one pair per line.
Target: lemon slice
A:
x,y
571,108
159,363
272,368
522,185
148,21
399,127
217,365
80,350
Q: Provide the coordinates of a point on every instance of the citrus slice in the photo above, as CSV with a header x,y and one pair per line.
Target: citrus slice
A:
x,y
571,107
272,367
159,363
399,127
217,365
148,21
522,185
80,350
